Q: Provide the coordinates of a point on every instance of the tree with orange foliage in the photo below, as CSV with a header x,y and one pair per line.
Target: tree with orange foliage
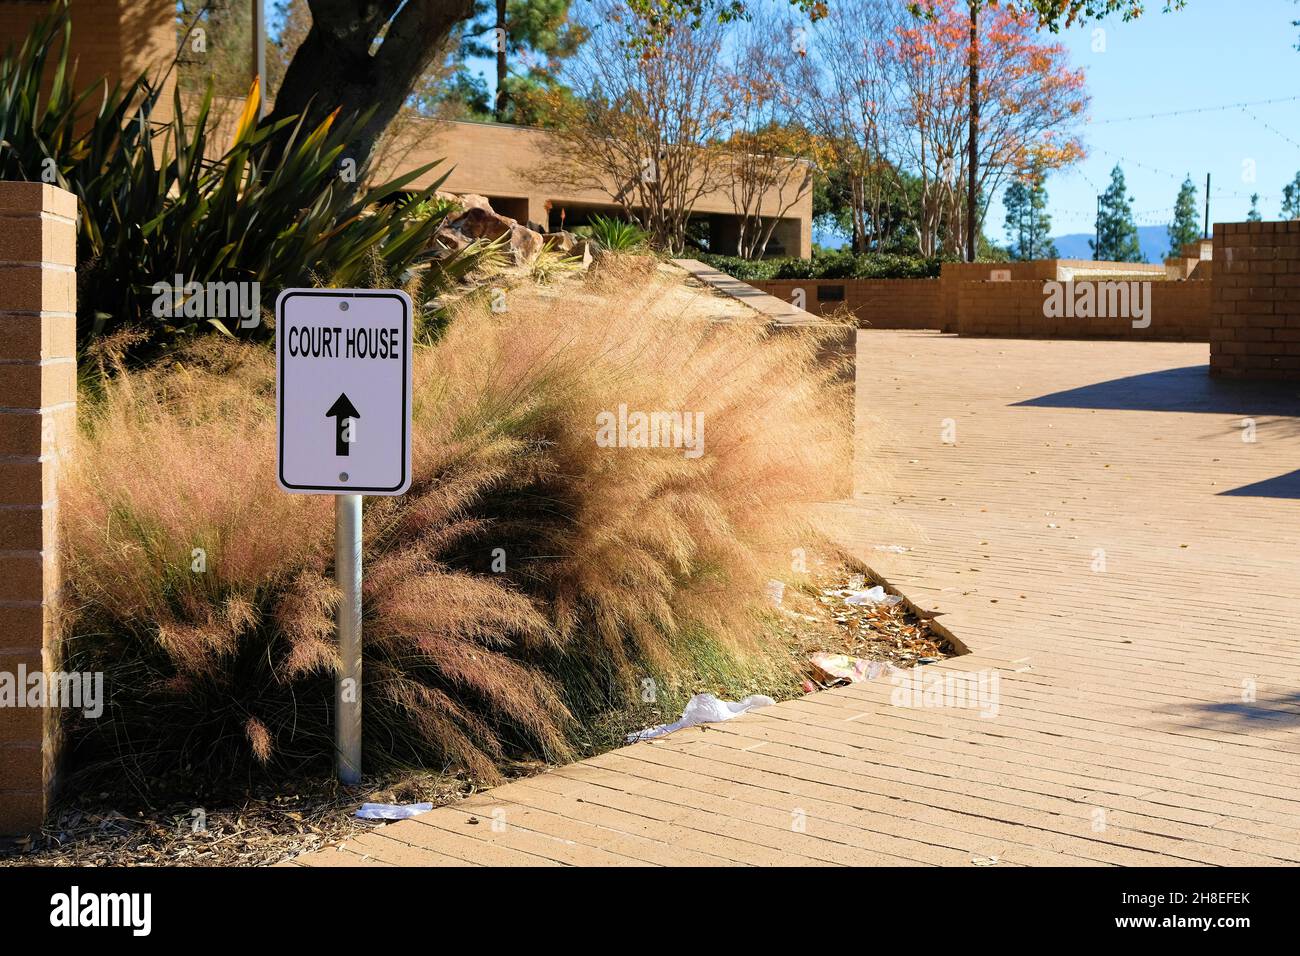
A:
x,y
1049,14
1028,102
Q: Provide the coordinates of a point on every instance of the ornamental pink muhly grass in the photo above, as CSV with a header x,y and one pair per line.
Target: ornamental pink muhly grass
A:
x,y
527,560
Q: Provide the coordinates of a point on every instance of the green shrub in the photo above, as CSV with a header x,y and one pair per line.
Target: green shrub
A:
x,y
746,270
838,264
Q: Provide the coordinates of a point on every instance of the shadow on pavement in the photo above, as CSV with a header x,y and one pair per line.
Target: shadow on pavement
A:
x,y
1189,389
1283,486
1275,712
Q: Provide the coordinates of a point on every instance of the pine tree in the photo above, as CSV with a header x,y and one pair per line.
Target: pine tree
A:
x,y
1042,246
1291,199
1184,228
1028,223
1117,236
1016,202
528,40
1253,215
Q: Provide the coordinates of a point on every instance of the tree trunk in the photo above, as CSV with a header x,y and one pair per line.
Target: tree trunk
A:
x,y
499,107
858,201
972,161
334,69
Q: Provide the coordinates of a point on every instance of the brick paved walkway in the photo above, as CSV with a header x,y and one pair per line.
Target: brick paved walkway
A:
x,y
1100,536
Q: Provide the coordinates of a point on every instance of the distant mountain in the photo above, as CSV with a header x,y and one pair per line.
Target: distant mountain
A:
x,y
1154,241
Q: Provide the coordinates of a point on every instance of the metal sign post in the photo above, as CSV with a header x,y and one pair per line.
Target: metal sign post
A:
x,y
347,685
343,399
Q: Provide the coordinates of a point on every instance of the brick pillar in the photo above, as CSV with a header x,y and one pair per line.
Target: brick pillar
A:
x,y
38,393
1255,311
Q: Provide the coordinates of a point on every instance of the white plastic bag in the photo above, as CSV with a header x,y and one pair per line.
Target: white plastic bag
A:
x,y
704,709
392,811
874,595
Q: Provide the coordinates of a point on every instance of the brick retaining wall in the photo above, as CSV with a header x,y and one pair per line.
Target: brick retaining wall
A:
x,y
935,303
954,275
1178,311
877,303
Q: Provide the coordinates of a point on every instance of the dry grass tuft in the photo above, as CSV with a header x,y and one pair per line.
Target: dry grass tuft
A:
x,y
615,559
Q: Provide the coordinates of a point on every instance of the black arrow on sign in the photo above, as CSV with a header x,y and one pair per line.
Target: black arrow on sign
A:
x,y
341,411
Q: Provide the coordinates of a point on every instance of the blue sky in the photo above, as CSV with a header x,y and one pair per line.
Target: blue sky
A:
x,y
1212,53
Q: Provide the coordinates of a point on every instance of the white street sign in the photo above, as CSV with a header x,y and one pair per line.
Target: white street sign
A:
x,y
343,391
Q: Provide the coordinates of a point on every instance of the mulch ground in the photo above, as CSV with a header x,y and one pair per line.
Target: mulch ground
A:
x,y
253,828
821,619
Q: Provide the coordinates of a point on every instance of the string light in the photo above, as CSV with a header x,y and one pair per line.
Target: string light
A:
x,y
1124,161
1164,215
1271,129
1242,106
1201,109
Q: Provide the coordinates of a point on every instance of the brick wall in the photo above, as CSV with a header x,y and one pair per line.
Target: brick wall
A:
x,y
1000,308
1255,315
38,373
1181,310
954,275
935,303
1178,311
877,303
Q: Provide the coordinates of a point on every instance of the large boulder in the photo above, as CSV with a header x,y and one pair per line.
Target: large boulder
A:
x,y
525,244
473,201
562,241
478,223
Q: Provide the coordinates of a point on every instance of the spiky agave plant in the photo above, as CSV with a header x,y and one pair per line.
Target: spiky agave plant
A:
x,y
616,235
